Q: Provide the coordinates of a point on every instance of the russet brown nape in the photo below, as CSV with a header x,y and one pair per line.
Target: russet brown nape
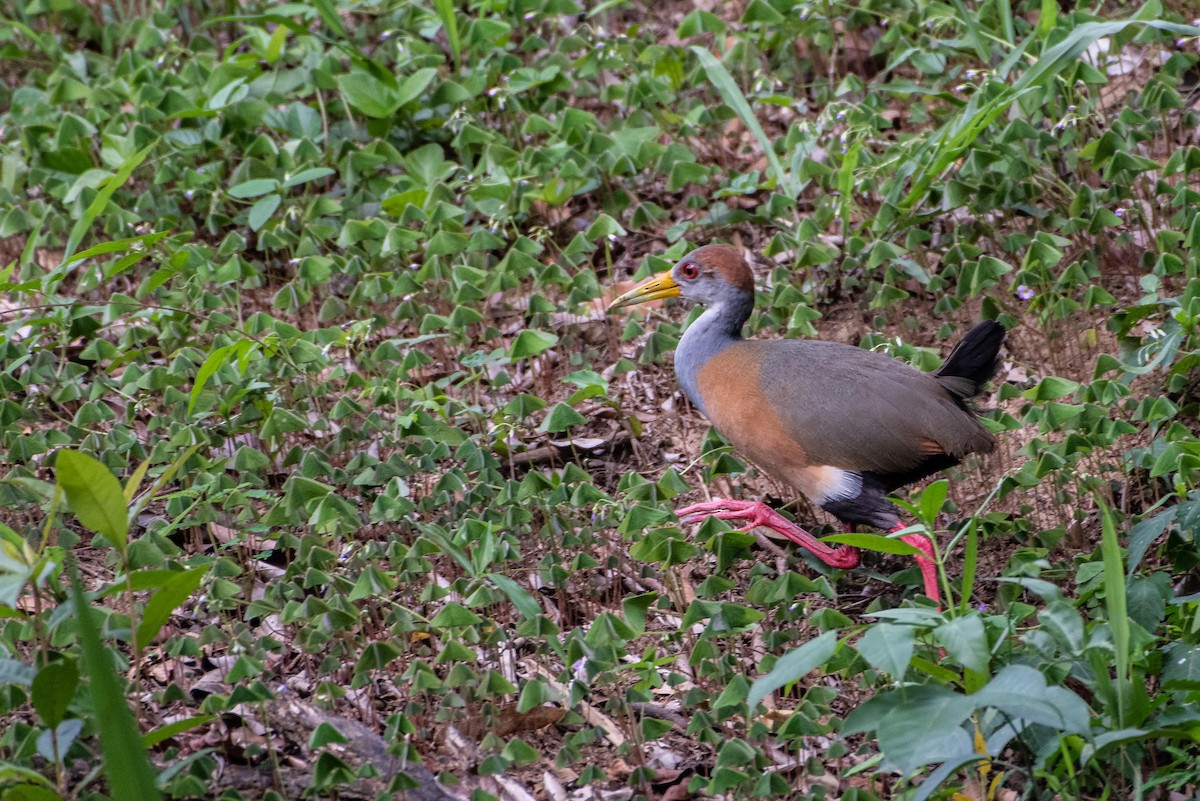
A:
x,y
727,262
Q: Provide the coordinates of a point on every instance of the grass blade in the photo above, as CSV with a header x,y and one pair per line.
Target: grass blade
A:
x,y
1115,603
445,12
130,775
970,562
723,82
954,138
80,229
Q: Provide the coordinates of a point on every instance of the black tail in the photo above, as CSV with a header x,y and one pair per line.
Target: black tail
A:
x,y
973,361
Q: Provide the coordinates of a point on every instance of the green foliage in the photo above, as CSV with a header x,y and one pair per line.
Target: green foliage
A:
x,y
301,361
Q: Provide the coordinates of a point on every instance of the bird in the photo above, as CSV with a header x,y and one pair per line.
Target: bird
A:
x,y
843,425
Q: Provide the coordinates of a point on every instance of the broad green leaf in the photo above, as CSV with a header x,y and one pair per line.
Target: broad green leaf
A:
x,y
254,188
13,671
607,630
53,688
734,694
531,343
792,666
925,726
888,648
235,91
965,641
634,609
414,84
933,498
261,211
561,418
933,782
165,600
20,567
94,495
1061,620
368,94
525,603
1143,534
455,615
305,176
1021,692
1051,388
1181,667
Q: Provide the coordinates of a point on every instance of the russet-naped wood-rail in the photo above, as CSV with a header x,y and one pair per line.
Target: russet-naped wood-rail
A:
x,y
843,425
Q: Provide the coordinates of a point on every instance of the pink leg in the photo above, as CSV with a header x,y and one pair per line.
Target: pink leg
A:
x,y
758,513
925,562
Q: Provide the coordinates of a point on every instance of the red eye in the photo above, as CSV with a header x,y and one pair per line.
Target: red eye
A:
x,y
689,271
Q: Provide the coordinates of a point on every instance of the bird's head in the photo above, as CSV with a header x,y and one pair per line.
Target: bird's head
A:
x,y
708,275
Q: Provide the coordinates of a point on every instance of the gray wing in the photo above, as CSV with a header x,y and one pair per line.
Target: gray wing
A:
x,y
859,410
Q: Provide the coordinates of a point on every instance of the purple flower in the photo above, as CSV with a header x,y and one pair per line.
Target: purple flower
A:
x,y
1025,292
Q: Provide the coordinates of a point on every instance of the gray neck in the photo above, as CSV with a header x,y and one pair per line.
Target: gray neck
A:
x,y
718,328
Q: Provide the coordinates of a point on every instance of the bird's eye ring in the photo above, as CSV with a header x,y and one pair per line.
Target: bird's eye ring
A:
x,y
689,271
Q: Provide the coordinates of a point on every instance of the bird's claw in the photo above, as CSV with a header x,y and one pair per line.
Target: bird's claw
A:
x,y
726,510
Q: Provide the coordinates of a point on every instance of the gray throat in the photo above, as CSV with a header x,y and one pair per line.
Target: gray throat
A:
x,y
719,327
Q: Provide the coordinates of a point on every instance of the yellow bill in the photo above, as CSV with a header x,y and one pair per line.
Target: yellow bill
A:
x,y
656,288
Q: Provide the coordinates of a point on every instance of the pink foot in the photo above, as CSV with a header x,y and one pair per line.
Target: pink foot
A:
x,y
757,513
924,562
